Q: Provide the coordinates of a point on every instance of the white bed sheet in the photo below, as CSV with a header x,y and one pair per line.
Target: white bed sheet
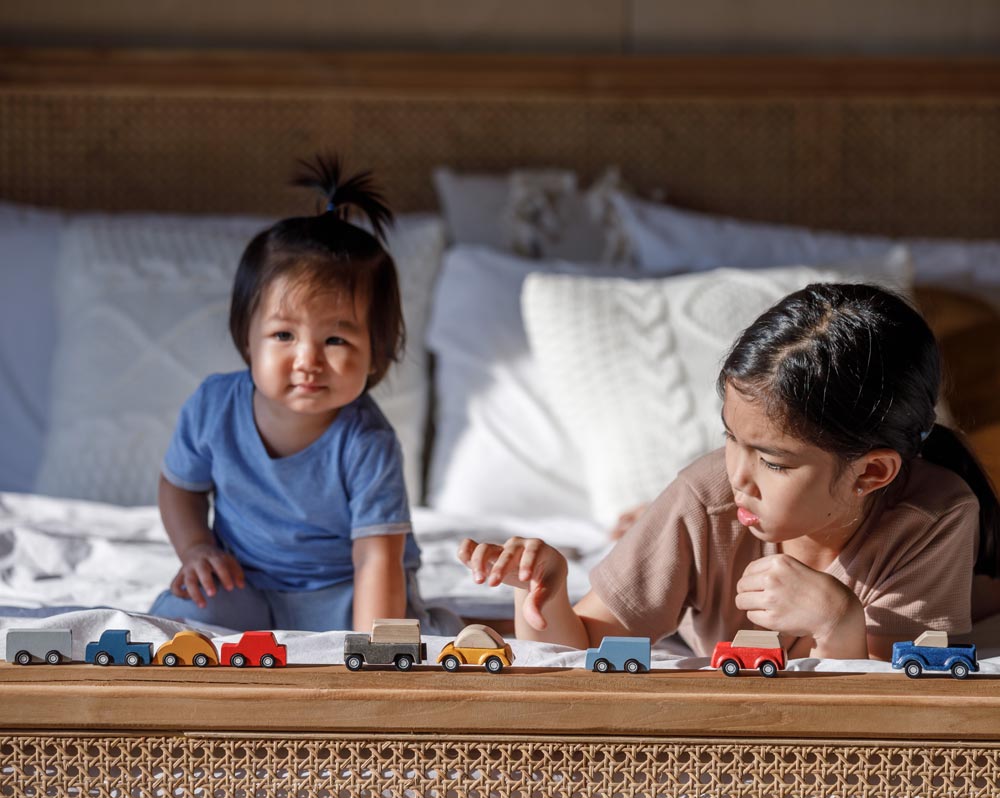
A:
x,y
90,567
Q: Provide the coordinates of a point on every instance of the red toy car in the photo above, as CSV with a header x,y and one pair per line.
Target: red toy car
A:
x,y
254,648
750,649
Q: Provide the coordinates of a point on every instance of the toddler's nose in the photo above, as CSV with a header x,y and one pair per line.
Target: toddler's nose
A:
x,y
307,358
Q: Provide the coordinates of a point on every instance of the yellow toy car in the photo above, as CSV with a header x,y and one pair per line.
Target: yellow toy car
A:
x,y
477,644
187,648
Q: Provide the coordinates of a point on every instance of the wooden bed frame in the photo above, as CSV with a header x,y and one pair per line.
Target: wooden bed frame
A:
x,y
900,147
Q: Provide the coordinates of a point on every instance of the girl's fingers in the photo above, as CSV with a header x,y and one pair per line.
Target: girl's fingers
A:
x,y
465,549
537,596
511,549
528,559
482,560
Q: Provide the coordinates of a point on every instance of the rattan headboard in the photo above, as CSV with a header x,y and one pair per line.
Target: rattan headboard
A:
x,y
895,147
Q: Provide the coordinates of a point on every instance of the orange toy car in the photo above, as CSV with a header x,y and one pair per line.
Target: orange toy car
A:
x,y
187,648
477,644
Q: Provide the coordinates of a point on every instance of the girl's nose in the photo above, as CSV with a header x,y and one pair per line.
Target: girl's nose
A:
x,y
742,473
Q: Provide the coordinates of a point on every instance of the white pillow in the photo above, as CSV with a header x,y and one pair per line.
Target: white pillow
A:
x,y
498,446
144,304
29,246
537,213
665,240
630,365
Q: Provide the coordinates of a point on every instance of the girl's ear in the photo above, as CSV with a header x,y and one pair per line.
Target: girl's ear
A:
x,y
876,470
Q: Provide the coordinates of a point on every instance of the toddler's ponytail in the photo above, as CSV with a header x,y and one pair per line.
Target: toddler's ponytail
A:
x,y
358,191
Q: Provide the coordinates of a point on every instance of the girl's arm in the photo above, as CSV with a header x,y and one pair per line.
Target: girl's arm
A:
x,y
379,579
542,609
185,518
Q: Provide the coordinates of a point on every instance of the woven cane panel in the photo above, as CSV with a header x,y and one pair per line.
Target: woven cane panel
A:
x,y
904,166
222,767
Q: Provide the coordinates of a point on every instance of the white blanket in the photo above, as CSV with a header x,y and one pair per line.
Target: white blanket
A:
x,y
90,567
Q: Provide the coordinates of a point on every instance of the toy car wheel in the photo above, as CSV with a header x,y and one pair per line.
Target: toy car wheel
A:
x,y
53,658
268,661
22,658
354,662
238,660
494,664
913,669
103,658
133,659
171,660
602,666
404,662
731,667
450,663
201,660
768,669
633,666
959,670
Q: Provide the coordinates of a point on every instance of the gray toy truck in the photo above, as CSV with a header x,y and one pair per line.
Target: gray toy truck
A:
x,y
52,646
393,641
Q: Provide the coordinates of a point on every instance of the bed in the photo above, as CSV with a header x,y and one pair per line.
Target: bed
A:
x,y
664,192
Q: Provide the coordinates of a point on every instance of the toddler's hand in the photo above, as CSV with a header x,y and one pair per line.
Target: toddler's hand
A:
x,y
626,520
778,592
198,564
525,563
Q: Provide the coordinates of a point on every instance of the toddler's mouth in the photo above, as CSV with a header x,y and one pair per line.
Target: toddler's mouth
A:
x,y
745,517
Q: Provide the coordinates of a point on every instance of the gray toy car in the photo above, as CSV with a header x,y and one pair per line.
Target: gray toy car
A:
x,y
631,654
52,646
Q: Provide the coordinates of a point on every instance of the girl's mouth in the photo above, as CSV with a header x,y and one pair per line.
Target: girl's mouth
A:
x,y
745,517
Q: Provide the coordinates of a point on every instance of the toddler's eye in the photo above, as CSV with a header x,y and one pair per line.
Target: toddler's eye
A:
x,y
283,336
335,341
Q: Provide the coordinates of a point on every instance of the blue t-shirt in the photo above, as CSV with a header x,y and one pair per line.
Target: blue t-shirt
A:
x,y
290,521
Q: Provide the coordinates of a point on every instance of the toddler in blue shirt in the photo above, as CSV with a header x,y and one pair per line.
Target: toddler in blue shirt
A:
x,y
311,525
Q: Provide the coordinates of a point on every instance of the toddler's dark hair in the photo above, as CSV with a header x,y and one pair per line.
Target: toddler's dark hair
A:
x,y
852,368
327,252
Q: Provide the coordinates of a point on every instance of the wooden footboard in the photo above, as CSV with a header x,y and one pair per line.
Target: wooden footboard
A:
x,y
322,731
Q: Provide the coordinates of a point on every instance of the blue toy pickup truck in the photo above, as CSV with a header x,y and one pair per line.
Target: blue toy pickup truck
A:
x,y
631,654
931,652
115,648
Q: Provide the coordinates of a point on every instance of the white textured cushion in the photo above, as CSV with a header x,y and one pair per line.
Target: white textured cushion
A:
x,y
498,447
143,304
630,365
29,244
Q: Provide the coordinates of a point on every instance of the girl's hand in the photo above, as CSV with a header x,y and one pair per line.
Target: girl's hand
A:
x,y
780,593
528,564
198,564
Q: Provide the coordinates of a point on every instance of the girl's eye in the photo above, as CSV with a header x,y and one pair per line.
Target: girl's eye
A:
x,y
335,341
282,336
773,466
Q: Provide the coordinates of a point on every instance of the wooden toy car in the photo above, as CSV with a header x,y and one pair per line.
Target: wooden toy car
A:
x,y
477,644
116,648
931,652
630,654
187,648
750,649
254,648
393,641
52,646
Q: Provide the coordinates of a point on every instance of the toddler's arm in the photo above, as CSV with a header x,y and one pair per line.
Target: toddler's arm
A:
x,y
542,609
185,517
379,579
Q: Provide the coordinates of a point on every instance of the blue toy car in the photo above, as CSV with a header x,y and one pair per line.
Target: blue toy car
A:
x,y
931,652
631,654
115,648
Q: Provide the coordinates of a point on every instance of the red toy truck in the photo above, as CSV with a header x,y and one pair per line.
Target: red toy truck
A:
x,y
750,649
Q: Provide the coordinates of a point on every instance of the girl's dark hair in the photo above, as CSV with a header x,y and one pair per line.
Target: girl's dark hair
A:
x,y
327,252
852,368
